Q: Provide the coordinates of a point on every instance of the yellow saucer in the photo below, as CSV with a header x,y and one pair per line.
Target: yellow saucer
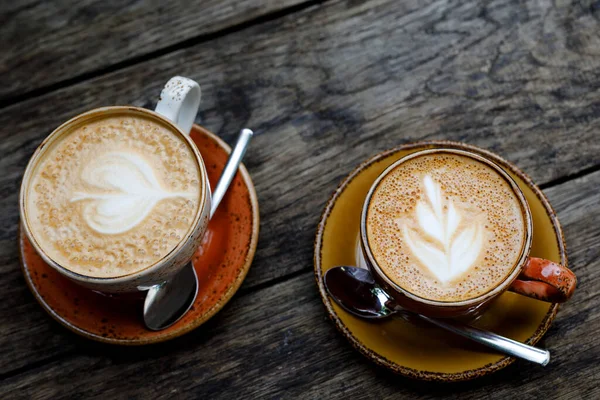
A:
x,y
421,351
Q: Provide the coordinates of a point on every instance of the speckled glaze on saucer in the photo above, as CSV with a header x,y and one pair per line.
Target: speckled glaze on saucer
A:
x,y
221,262
422,351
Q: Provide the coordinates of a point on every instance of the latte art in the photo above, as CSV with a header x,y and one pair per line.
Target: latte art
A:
x,y
130,192
454,250
445,227
113,196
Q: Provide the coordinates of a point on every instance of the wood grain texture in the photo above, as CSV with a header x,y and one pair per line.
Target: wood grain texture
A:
x,y
279,343
324,89
46,42
330,86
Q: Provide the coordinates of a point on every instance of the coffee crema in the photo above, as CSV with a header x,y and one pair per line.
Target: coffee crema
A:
x,y
113,196
445,227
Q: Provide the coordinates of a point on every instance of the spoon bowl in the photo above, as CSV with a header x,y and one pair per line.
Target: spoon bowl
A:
x,y
356,292
165,304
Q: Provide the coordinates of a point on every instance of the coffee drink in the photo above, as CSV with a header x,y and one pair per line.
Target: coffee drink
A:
x,y
445,227
113,195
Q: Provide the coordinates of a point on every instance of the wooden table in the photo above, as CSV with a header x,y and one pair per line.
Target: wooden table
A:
x,y
325,84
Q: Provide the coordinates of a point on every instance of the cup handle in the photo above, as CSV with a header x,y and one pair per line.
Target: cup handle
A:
x,y
179,102
545,280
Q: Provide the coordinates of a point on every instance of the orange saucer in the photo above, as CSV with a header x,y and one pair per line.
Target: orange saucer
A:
x,y
221,264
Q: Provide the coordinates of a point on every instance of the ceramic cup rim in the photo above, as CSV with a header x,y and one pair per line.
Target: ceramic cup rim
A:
x,y
65,128
494,291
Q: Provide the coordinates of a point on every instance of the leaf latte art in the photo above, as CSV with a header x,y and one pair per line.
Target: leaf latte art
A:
x,y
131,191
455,249
445,227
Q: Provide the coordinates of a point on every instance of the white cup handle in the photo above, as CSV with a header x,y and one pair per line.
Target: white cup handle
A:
x,y
179,102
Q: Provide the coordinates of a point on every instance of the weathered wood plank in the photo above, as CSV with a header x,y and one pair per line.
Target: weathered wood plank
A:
x,y
45,42
292,350
328,87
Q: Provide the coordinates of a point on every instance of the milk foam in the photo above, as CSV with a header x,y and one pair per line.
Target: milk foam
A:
x,y
445,227
113,196
457,250
128,192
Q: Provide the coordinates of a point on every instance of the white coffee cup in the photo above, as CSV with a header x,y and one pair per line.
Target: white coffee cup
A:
x,y
177,109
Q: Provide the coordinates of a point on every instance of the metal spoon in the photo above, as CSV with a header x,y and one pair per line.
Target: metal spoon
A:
x,y
167,302
355,290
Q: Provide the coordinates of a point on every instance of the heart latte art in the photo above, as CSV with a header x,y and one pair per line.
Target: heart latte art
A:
x,y
445,227
114,196
126,192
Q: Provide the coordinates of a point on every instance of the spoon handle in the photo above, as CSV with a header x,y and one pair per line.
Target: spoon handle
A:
x,y
231,168
500,343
